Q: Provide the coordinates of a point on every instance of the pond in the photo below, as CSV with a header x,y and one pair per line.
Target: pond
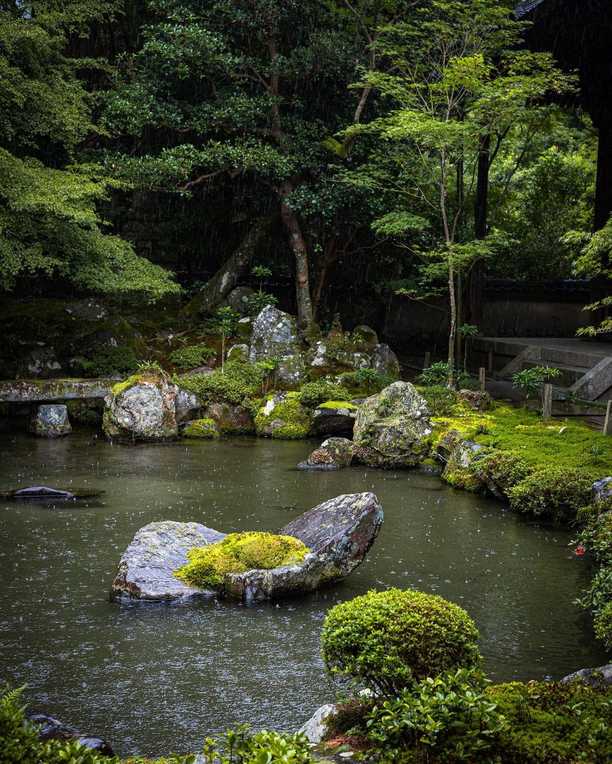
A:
x,y
157,678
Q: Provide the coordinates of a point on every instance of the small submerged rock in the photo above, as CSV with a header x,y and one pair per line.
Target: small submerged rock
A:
x,y
50,420
46,495
338,533
52,729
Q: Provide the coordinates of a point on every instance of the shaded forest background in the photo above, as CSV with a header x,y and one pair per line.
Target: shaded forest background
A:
x,y
146,145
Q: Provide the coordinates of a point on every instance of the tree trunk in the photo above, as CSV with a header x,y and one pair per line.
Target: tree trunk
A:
x,y
226,278
452,334
329,256
475,285
300,253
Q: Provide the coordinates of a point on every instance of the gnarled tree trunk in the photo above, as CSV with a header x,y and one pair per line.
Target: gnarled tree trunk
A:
x,y
300,254
226,278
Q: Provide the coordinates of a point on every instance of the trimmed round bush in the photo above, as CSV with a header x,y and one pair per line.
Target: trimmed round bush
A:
x,y
387,640
238,552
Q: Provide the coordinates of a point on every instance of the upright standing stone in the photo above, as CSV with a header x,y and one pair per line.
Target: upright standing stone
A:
x,y
275,336
50,421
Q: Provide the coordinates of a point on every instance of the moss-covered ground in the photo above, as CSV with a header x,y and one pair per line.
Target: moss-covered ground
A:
x,y
541,444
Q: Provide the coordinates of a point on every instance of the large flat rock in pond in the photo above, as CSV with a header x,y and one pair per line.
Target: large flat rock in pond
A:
x,y
338,533
146,569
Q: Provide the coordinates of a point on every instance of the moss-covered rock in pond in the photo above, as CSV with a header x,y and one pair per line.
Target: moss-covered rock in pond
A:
x,y
459,457
332,454
143,407
282,416
231,419
337,533
395,426
50,421
208,566
204,429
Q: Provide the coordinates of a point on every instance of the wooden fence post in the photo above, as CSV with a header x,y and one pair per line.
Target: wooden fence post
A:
x,y
547,401
482,376
427,362
490,361
607,428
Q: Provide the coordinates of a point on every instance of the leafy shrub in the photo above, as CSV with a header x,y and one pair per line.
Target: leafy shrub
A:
x,y
449,717
553,723
440,400
596,538
236,383
552,494
390,639
314,393
237,553
364,382
109,360
530,381
241,747
437,375
192,356
257,301
19,743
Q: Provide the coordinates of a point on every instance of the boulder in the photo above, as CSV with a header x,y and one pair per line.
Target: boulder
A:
x,y
231,419
52,729
392,427
41,362
283,417
384,361
334,418
332,454
315,728
602,490
50,421
595,677
275,336
238,299
40,493
147,566
143,408
458,456
338,532
187,405
479,400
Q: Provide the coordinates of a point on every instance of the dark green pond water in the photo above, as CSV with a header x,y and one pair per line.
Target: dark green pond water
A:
x,y
154,679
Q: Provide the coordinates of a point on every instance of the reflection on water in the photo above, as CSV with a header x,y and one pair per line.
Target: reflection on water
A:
x,y
155,678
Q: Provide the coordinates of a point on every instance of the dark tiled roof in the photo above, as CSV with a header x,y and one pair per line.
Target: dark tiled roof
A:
x,y
524,8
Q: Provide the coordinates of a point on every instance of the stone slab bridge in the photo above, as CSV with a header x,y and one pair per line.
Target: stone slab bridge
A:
x,y
50,390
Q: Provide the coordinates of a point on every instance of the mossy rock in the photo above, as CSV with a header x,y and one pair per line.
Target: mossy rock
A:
x,y
283,417
205,429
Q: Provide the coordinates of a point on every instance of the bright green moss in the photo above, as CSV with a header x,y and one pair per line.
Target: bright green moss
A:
x,y
539,444
339,405
237,553
121,387
283,418
553,722
201,428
